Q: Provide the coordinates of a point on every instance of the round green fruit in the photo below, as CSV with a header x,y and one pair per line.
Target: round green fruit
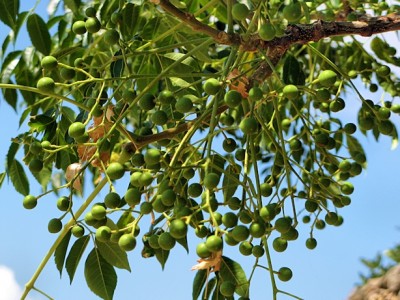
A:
x,y
211,180
115,170
64,203
152,156
29,202
103,234
267,32
195,190
166,97
132,196
79,27
35,148
245,248
385,127
127,242
229,145
178,229
327,78
257,229
184,105
111,37
279,244
202,250
35,165
46,84
347,188
249,126
292,12
49,62
227,288
159,117
211,86
76,130
147,102
233,98
214,243
258,251
112,200
283,224
166,241
229,219
240,11
90,12
291,91
92,25
98,212
255,94
240,233
54,225
311,243
78,231
146,208
285,274
383,71
268,213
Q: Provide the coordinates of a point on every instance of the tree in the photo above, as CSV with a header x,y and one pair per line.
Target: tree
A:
x,y
220,113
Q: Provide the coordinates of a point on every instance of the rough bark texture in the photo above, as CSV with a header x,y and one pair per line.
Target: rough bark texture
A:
x,y
386,287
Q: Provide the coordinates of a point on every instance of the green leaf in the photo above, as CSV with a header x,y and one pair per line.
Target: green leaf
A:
x,y
73,5
117,66
61,252
75,255
162,256
209,288
354,145
9,11
114,255
18,177
43,177
12,151
38,33
100,275
10,95
217,294
232,271
198,283
183,242
130,17
231,180
292,71
2,176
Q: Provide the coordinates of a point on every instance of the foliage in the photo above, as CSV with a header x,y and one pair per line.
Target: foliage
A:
x,y
235,134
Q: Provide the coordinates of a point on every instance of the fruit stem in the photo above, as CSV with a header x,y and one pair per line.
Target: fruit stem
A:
x,y
271,270
30,284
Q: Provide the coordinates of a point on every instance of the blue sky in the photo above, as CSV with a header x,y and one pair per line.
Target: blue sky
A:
x,y
329,272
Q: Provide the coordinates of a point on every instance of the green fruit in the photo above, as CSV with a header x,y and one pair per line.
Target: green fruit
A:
x,y
283,224
229,219
337,105
385,127
46,84
202,250
345,165
115,170
98,212
195,190
29,202
178,229
111,37
233,98
211,86
291,235
384,113
184,105
64,203
78,231
145,179
267,32
347,188
90,12
290,91
92,25
79,27
245,248
268,213
249,126
127,242
54,225
255,94
331,218
265,189
76,130
112,200
327,78
240,11
211,180
285,274
383,71
188,173
35,165
132,196
322,139
257,229
306,219
35,148
168,197
240,233
258,251
229,145
292,12
103,234
214,243
279,244
147,102
166,241
311,206
49,62
227,288
152,156
395,108
166,97
153,241
323,95
320,224
159,117
311,243
146,208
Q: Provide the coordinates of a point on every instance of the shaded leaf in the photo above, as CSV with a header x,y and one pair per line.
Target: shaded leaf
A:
x,y
211,284
43,177
183,242
130,19
117,66
61,252
114,255
2,176
10,95
292,71
18,177
162,256
9,11
198,283
75,255
100,275
38,33
354,145
12,151
232,271
73,5
230,181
